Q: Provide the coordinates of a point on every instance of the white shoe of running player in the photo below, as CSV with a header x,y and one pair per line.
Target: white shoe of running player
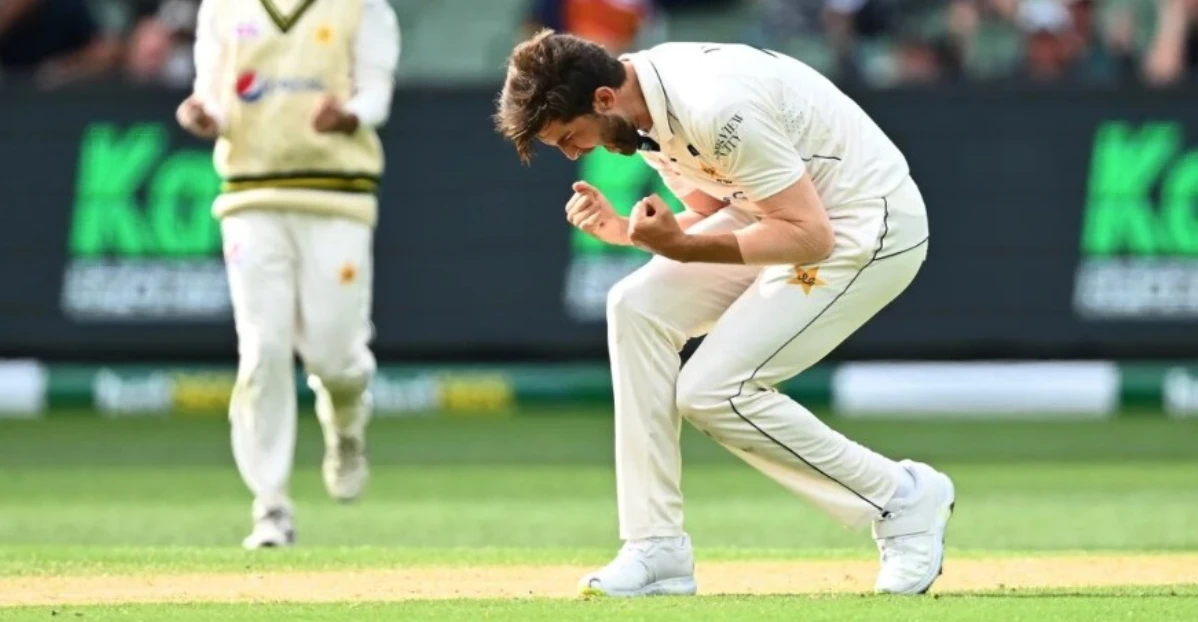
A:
x,y
911,536
650,567
274,528
344,468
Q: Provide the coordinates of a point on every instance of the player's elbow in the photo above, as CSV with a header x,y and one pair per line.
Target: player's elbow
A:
x,y
810,242
822,239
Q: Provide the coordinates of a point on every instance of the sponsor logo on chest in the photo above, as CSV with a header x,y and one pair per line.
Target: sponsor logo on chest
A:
x,y
252,86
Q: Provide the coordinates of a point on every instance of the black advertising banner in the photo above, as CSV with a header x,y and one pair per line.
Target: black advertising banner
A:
x,y
1064,223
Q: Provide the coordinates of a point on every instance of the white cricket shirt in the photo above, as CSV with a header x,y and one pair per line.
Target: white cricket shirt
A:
x,y
742,124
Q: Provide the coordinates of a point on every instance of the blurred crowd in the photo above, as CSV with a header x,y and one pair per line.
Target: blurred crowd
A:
x,y
58,42
876,42
933,41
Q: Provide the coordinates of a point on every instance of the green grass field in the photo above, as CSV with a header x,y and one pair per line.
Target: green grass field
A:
x,y
496,518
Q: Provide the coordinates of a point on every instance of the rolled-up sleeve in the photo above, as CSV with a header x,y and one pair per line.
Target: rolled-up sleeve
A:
x,y
376,57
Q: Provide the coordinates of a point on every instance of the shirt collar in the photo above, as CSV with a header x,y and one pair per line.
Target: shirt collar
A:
x,y
655,96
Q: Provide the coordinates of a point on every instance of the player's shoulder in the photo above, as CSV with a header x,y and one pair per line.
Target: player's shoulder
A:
x,y
672,49
709,54
699,81
710,105
696,61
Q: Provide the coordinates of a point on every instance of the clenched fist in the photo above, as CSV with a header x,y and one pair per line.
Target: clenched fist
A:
x,y
590,211
654,228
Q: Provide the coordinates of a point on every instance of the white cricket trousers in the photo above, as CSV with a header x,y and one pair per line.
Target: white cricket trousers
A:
x,y
762,326
299,282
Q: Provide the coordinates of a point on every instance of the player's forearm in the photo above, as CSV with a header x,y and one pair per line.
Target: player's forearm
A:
x,y
769,242
707,248
775,242
689,218
756,245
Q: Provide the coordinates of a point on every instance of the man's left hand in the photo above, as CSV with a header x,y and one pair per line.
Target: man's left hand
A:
x,y
652,227
331,117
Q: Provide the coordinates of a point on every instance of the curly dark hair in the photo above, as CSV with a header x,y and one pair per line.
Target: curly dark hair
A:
x,y
552,77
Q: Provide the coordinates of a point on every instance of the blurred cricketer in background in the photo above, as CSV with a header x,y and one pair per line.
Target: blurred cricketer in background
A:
x,y
292,91
801,222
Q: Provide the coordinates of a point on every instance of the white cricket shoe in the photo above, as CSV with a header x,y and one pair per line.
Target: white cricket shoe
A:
x,y
650,567
911,536
344,468
274,528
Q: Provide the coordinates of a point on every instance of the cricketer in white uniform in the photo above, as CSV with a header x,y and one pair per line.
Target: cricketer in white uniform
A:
x,y
292,91
801,223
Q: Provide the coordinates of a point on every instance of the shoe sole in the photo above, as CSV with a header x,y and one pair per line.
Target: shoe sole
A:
x,y
678,586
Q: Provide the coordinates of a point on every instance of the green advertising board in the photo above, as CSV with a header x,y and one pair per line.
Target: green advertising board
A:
x,y
142,242
1139,243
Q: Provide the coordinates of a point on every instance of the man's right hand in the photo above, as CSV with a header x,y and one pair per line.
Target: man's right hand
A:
x,y
193,118
590,211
